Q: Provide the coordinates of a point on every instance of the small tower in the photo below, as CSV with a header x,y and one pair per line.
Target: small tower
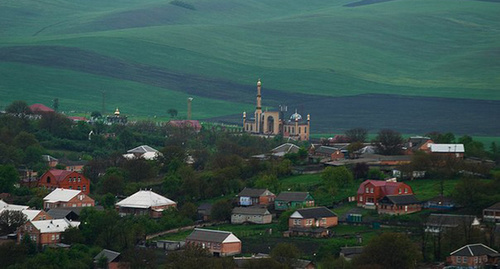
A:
x,y
244,120
117,112
189,100
258,108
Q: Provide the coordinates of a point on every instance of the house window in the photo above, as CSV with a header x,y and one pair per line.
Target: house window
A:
x,y
361,198
459,259
57,237
399,190
309,222
84,187
406,190
53,237
79,179
465,259
476,260
208,245
33,238
78,188
299,130
70,187
323,221
305,130
296,222
48,179
371,190
367,190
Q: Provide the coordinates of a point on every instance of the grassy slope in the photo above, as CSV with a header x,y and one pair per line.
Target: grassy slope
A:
x,y
430,48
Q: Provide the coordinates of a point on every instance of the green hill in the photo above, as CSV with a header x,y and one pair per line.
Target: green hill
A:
x,y
150,55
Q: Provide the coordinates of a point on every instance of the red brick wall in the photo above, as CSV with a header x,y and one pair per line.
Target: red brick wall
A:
x,y
330,222
231,248
74,202
266,200
66,183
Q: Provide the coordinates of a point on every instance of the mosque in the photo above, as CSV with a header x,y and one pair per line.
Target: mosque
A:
x,y
271,123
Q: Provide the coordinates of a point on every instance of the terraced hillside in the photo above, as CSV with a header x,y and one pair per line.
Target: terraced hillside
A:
x,y
415,66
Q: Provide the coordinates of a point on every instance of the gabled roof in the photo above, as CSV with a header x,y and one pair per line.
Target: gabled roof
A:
x,y
145,199
474,250
54,225
285,148
61,195
387,187
62,213
326,150
250,192
4,205
314,212
447,148
59,175
451,221
142,149
31,213
40,108
494,207
347,251
212,236
48,158
292,196
406,199
253,210
109,254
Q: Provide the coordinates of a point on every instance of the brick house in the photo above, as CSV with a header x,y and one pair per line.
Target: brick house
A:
x,y
417,143
72,180
452,150
219,243
492,213
252,214
45,232
287,200
249,196
371,191
399,204
473,256
67,198
145,203
312,221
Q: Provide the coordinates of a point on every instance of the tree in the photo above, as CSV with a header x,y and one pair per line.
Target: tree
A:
x,y
388,142
389,250
283,220
375,173
356,135
221,210
10,220
72,235
172,112
336,177
360,170
95,115
55,104
18,108
285,253
8,177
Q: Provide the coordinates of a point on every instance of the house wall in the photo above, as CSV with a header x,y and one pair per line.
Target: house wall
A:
x,y
42,216
308,223
398,209
259,219
471,261
491,215
371,198
69,182
230,249
266,200
80,200
283,205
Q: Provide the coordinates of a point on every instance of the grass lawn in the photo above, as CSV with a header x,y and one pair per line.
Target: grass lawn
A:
x,y
425,189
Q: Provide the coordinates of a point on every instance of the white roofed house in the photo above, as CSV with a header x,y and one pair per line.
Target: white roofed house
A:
x,y
145,152
453,150
145,203
67,198
45,232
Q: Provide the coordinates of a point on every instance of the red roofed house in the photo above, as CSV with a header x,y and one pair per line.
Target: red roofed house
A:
x,y
370,192
40,109
56,178
67,198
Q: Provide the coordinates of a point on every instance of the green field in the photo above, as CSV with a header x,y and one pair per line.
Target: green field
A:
x,y
149,56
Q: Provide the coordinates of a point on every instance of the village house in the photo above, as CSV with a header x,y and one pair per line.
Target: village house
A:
x,y
492,213
4,205
287,200
278,152
45,232
219,243
71,180
145,202
473,256
113,260
204,211
312,222
370,192
67,198
399,204
440,202
417,143
252,214
145,152
451,150
249,197
76,166
50,161
437,223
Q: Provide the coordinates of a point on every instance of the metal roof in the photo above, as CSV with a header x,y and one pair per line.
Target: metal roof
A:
x,y
314,212
212,236
145,199
406,199
62,195
109,254
54,225
292,196
253,210
250,192
446,148
474,250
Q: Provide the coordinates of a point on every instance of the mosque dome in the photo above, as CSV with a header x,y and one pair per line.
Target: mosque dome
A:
x,y
295,116
259,83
